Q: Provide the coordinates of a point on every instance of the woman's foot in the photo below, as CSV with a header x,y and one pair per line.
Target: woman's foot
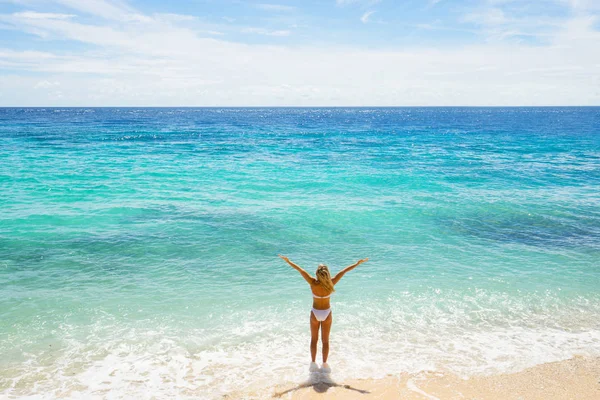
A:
x,y
313,367
325,368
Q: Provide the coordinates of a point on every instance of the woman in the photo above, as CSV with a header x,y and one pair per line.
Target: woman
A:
x,y
320,316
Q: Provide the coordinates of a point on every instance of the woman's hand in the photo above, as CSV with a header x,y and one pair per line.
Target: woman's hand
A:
x,y
284,258
362,261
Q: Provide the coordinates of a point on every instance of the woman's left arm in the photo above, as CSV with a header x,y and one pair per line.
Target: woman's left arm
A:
x,y
304,274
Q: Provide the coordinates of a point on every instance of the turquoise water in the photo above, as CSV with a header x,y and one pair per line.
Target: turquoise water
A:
x,y
138,247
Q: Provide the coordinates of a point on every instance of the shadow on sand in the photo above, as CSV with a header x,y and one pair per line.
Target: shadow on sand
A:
x,y
320,382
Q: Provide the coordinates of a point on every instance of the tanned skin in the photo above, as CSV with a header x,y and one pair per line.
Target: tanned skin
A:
x,y
320,304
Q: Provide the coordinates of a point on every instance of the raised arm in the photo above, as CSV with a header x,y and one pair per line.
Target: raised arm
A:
x,y
339,275
304,274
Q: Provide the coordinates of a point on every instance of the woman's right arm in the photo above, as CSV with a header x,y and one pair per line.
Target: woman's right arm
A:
x,y
339,275
304,274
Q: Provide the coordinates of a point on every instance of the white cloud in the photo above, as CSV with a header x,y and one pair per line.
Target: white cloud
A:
x,y
263,31
45,84
38,15
583,5
365,16
108,9
174,17
492,16
275,7
151,61
499,24
213,33
365,3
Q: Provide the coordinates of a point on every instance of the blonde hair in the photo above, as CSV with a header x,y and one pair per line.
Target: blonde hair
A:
x,y
324,278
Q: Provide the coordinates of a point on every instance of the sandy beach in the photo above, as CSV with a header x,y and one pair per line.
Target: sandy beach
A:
x,y
576,378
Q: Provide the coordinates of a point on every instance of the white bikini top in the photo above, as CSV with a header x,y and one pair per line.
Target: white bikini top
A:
x,y
321,297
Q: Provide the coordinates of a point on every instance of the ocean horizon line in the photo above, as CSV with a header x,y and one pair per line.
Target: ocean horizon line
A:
x,y
314,107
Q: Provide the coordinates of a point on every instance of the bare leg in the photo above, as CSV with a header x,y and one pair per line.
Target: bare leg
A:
x,y
314,336
325,329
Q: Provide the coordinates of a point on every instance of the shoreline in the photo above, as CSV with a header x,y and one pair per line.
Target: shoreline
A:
x,y
574,378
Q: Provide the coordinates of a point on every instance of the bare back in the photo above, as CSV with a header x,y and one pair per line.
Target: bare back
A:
x,y
318,290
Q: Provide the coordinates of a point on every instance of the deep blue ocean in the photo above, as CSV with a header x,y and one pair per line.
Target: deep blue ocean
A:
x,y
138,246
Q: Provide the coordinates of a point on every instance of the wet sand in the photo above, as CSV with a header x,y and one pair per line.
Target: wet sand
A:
x,y
576,378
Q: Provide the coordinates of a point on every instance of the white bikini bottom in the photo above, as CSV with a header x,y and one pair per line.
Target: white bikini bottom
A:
x,y
321,315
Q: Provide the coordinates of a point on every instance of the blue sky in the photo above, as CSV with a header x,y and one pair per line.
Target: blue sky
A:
x,y
327,52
